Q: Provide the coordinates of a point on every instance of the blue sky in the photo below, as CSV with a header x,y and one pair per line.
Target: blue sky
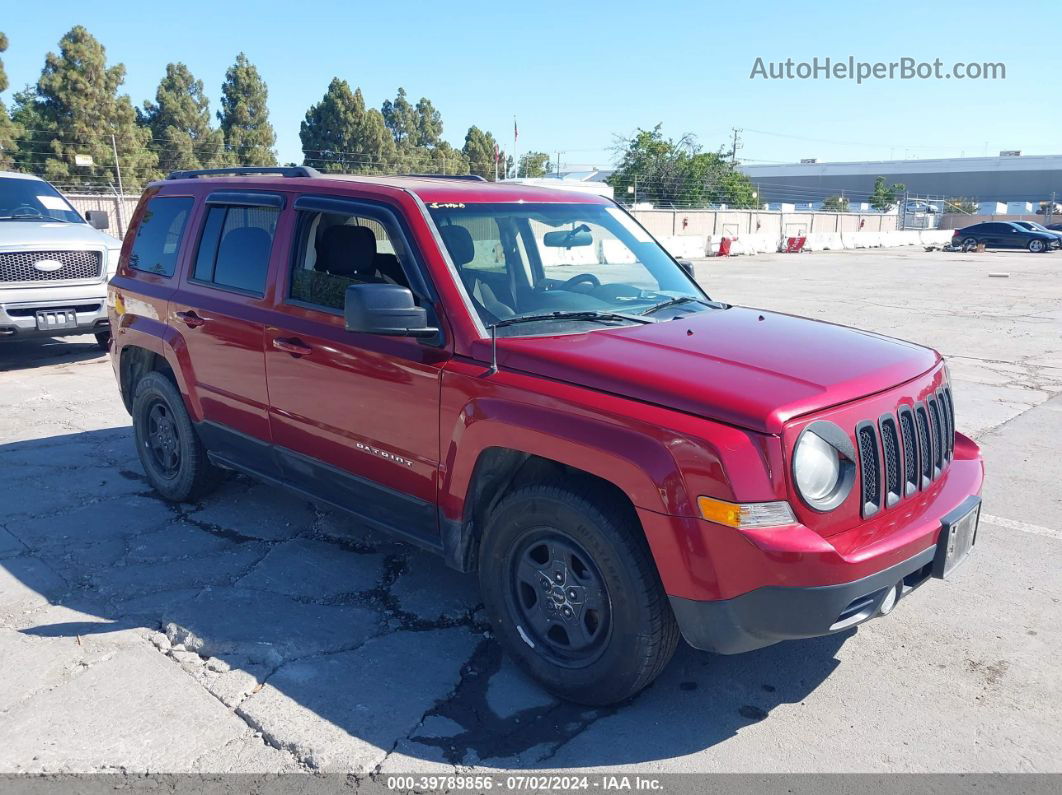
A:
x,y
577,74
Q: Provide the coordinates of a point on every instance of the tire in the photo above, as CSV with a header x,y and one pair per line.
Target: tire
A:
x,y
969,244
170,451
620,632
103,341
1036,246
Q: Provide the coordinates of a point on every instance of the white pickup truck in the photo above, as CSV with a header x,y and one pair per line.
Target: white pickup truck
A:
x,y
54,264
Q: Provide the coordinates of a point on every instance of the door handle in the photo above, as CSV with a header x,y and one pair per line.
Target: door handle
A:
x,y
191,319
294,347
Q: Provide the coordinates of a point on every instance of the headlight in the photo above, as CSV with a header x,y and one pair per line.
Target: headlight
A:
x,y
823,466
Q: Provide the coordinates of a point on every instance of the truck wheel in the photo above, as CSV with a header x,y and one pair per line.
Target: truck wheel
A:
x,y
173,458
571,589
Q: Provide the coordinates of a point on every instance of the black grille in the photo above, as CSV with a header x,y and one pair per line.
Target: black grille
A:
x,y
869,466
925,449
936,421
903,453
890,445
19,266
949,421
910,451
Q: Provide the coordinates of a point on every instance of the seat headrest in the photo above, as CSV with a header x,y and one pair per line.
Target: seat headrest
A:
x,y
250,242
459,243
346,251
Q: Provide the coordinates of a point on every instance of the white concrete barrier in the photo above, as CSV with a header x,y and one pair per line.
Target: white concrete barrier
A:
x,y
682,246
824,241
613,251
935,237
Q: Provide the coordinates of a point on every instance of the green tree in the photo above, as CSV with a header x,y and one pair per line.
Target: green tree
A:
x,y
340,135
244,115
179,120
400,117
76,109
428,124
479,150
885,197
835,204
535,164
667,172
961,204
8,130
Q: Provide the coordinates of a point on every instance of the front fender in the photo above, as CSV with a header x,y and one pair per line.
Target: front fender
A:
x,y
662,460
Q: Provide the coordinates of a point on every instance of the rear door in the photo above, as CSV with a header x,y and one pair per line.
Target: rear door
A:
x,y
220,309
355,417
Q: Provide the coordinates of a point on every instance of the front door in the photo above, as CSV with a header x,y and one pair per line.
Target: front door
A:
x,y
355,417
219,310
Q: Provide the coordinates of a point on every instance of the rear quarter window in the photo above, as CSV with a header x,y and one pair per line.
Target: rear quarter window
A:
x,y
159,235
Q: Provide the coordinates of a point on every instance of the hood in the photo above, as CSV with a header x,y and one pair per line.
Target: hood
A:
x,y
744,367
46,235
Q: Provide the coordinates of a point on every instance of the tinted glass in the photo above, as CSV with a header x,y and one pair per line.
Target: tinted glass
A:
x,y
33,200
158,237
235,245
208,244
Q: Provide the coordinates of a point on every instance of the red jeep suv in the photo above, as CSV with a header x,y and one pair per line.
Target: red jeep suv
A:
x,y
523,381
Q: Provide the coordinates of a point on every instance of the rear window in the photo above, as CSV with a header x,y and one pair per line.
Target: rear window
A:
x,y
234,247
158,237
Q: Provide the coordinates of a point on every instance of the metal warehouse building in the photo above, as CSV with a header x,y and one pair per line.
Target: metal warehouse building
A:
x,y
985,179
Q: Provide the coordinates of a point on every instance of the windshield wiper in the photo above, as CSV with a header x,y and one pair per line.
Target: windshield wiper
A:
x,y
682,299
25,217
591,315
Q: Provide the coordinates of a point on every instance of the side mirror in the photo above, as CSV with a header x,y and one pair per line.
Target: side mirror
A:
x,y
385,309
97,219
686,265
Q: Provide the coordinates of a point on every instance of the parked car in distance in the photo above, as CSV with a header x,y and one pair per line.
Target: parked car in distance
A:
x,y
524,382
1032,226
54,264
1004,234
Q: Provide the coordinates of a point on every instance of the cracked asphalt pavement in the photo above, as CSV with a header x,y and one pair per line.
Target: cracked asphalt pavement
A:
x,y
255,632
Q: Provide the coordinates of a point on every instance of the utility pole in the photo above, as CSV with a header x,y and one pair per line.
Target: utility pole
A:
x,y
121,190
735,145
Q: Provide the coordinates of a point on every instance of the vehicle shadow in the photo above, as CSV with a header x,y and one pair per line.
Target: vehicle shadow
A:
x,y
297,617
46,351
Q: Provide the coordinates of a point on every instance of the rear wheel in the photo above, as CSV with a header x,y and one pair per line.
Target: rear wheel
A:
x,y
103,340
572,591
1036,246
969,244
173,458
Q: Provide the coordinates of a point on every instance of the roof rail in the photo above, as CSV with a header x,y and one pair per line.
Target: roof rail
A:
x,y
283,171
472,177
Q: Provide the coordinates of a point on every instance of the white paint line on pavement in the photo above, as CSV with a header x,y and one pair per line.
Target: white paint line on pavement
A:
x,y
1025,527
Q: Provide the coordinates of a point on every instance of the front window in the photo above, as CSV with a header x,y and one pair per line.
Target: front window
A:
x,y
34,200
549,262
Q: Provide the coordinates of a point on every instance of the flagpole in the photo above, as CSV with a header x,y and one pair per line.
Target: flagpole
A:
x,y
516,149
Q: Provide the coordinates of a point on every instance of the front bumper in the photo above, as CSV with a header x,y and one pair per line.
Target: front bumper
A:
x,y
18,310
768,615
733,591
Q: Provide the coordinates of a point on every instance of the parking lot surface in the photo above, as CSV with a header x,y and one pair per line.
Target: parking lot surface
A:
x,y
256,632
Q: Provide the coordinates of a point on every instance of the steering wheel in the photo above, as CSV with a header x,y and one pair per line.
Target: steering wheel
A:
x,y
582,277
33,210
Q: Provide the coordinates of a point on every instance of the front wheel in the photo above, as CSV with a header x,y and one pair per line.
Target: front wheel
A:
x,y
103,341
572,591
1036,246
173,458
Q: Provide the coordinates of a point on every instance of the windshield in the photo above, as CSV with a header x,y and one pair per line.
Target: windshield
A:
x,y
33,200
532,260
